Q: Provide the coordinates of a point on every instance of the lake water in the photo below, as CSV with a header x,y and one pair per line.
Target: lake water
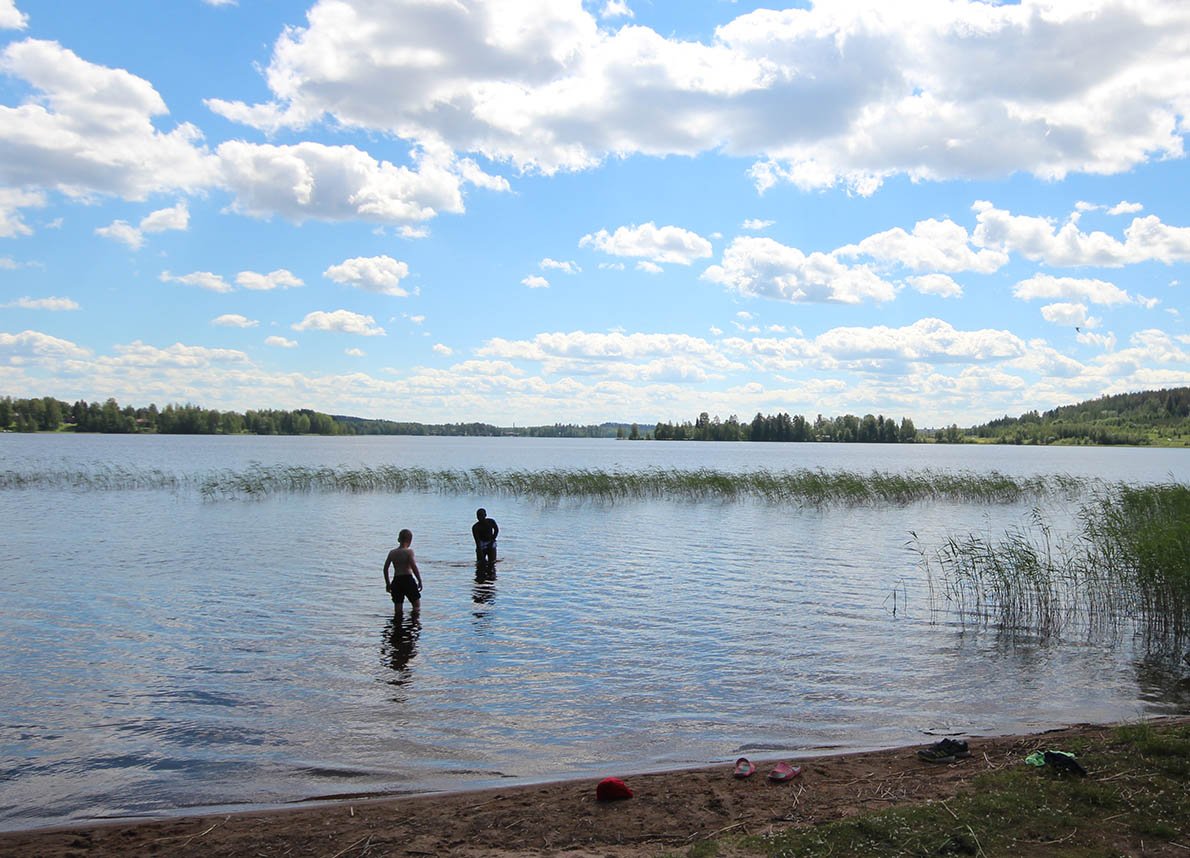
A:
x,y
162,652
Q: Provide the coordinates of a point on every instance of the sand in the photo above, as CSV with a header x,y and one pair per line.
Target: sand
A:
x,y
669,812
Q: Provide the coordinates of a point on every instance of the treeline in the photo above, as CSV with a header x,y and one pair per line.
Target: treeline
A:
x,y
46,414
1147,417
49,415
869,429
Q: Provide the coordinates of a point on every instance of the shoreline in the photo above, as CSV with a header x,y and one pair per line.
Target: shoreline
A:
x,y
671,810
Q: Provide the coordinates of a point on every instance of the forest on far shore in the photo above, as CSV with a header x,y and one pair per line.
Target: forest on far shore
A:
x,y
1156,417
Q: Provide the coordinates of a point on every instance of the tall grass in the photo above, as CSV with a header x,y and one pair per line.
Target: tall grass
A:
x,y
1131,559
802,486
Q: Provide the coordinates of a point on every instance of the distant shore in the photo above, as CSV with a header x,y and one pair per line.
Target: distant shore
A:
x,y
670,812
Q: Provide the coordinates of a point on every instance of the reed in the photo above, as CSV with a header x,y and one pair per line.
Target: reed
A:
x,y
1130,559
799,487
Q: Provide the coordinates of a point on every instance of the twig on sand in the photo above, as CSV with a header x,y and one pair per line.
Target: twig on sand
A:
x,y
347,849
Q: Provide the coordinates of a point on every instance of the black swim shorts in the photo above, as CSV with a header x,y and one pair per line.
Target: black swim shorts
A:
x,y
404,587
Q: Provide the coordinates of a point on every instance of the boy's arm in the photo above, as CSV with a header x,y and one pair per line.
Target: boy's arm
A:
x,y
413,568
388,561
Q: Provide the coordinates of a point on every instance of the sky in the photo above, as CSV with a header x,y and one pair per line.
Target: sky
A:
x,y
528,212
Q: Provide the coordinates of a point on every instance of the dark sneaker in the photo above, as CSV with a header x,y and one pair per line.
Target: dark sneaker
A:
x,y
1064,761
946,751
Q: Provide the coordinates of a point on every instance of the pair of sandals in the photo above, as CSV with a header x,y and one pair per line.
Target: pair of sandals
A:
x,y
783,771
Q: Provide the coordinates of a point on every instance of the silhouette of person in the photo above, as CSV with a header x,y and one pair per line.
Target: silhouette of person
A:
x,y
406,580
484,532
400,645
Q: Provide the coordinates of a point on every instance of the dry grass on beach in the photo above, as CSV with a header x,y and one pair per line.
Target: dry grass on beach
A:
x,y
1134,802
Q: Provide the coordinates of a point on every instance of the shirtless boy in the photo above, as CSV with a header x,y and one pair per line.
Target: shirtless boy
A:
x,y
406,580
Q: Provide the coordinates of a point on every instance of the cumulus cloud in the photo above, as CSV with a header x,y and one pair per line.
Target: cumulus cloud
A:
x,y
668,244
202,279
279,279
1071,315
942,285
90,128
35,345
1046,287
355,352
11,18
441,349
762,267
234,320
179,355
835,93
649,267
566,267
615,9
174,218
936,246
52,304
1146,239
340,321
280,342
1124,207
535,281
12,200
381,274
756,225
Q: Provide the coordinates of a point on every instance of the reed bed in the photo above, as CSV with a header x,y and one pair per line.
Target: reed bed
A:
x,y
800,487
1130,559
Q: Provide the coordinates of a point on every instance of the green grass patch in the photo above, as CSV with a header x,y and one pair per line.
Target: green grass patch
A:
x,y
1136,793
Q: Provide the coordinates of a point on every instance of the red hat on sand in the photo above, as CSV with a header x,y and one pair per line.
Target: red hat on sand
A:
x,y
610,789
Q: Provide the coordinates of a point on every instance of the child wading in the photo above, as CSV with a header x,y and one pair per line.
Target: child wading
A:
x,y
406,580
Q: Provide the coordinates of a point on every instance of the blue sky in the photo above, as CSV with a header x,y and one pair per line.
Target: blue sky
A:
x,y
539,211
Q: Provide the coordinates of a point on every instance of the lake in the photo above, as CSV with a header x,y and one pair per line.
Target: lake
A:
x,y
166,652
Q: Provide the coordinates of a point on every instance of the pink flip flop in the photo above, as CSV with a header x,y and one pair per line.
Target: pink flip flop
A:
x,y
784,772
744,768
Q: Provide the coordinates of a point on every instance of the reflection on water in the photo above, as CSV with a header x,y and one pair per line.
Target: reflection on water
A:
x,y
228,651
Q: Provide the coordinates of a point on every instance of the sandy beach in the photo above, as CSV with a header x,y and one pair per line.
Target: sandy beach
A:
x,y
669,811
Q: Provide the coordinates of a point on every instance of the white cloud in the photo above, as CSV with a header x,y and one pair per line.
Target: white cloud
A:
x,y
649,267
762,267
220,2
12,18
1046,286
615,9
202,279
441,349
1069,315
381,274
932,246
1146,239
52,304
835,93
1107,342
280,342
340,321
355,352
122,231
936,284
90,129
566,267
179,355
1124,207
36,345
234,320
669,244
535,281
12,200
279,279
756,225
175,218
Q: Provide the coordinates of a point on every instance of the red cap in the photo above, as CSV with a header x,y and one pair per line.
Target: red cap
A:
x,y
610,789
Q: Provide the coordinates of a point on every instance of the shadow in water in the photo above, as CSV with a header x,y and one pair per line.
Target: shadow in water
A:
x,y
483,594
400,645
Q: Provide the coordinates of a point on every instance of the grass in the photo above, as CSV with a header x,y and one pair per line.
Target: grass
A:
x,y
1131,560
1134,802
802,486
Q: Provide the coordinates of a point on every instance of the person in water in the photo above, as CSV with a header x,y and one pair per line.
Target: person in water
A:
x,y
484,532
406,580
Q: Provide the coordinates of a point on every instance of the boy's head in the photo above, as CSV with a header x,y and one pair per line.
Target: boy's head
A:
x,y
405,536
481,513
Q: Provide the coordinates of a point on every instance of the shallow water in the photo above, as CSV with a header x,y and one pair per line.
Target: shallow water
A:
x,y
163,652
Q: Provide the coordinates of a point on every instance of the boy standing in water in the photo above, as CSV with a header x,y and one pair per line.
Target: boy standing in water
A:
x,y
406,580
484,532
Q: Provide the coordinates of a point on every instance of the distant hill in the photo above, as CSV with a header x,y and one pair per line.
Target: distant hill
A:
x,y
1150,417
